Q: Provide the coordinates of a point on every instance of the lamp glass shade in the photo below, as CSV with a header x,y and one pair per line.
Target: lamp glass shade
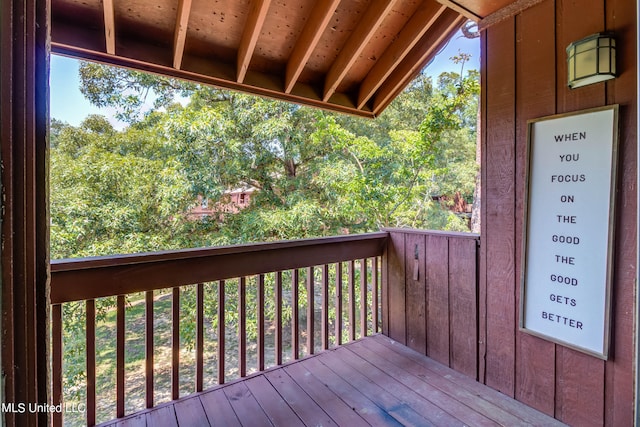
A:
x,y
591,60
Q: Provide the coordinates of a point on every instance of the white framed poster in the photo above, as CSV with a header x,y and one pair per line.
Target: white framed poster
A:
x,y
568,229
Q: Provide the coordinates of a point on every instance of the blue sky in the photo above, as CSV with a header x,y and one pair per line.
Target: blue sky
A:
x,y
69,105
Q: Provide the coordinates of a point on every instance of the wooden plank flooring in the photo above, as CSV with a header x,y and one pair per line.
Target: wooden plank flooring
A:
x,y
373,381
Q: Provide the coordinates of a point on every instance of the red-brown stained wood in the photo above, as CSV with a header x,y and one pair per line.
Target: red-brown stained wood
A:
x,y
164,416
221,331
536,89
245,406
278,411
278,337
416,311
175,343
190,412
325,307
375,295
363,298
437,283
295,281
351,273
338,331
149,347
120,368
463,312
396,298
56,364
260,308
218,409
619,404
335,407
85,278
499,236
579,397
303,405
310,310
91,360
199,336
242,326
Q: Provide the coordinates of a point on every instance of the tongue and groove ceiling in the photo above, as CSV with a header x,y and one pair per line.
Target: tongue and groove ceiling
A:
x,y
352,56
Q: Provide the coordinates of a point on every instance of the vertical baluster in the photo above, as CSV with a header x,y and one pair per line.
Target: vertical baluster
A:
x,y
363,298
352,301
242,327
91,360
221,331
278,337
56,377
295,277
310,310
325,307
374,295
261,322
199,336
175,343
120,341
338,304
149,341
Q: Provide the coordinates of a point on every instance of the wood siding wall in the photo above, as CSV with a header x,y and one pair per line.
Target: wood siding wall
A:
x,y
524,77
430,295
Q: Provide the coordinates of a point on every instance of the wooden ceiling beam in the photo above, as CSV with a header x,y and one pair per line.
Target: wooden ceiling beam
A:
x,y
252,29
423,52
426,15
180,37
461,10
316,24
109,26
350,52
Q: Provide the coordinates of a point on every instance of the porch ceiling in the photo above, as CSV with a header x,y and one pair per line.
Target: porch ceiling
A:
x,y
353,56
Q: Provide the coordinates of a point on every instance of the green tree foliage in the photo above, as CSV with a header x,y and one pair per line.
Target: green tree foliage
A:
x,y
316,173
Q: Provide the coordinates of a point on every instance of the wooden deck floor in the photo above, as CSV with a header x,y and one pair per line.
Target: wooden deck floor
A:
x,y
373,381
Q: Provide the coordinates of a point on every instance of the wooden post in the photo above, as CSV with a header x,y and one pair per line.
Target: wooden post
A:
x,y
24,66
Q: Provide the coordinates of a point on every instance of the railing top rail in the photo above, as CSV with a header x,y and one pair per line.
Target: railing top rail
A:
x,y
456,234
95,277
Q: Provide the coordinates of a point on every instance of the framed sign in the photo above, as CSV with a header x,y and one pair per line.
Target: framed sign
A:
x,y
569,213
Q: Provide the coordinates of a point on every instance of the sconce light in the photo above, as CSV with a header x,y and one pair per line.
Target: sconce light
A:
x,y
591,60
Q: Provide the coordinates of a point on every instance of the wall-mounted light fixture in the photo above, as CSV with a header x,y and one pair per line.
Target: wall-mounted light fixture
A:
x,y
591,60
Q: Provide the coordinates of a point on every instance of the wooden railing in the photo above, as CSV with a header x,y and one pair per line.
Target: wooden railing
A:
x,y
218,278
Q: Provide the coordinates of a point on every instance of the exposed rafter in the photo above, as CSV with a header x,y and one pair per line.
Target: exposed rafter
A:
x,y
423,52
182,22
252,29
109,26
350,52
461,10
309,38
420,22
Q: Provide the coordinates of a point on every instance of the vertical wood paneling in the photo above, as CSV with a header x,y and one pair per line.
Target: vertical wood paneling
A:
x,y
242,326
499,198
396,287
199,336
260,338
536,97
437,282
416,293
579,397
619,406
578,389
338,331
310,310
278,337
463,307
295,279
